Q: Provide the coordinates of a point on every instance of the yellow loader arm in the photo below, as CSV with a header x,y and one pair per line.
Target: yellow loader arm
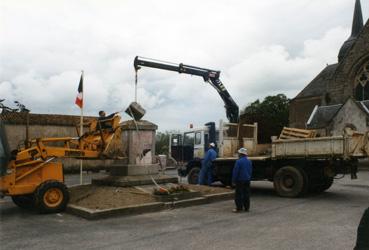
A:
x,y
32,171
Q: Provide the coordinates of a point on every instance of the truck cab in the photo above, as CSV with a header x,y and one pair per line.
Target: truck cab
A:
x,y
192,144
189,148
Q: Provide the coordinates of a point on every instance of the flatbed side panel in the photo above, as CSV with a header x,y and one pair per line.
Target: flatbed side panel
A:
x,y
252,158
261,167
315,147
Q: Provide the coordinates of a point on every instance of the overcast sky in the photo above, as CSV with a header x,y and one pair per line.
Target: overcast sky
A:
x,y
262,47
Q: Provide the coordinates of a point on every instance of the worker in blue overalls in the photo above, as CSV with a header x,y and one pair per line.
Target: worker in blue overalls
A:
x,y
206,176
241,177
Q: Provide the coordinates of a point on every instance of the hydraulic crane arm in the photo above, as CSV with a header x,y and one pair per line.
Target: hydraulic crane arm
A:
x,y
210,76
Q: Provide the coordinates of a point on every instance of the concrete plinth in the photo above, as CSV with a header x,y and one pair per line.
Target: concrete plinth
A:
x,y
139,142
131,169
133,180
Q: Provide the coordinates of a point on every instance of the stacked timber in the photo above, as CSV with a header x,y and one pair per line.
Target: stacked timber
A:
x,y
295,133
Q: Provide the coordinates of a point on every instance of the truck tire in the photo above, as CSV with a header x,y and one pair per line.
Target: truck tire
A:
x,y
322,185
328,182
290,182
24,201
193,175
51,197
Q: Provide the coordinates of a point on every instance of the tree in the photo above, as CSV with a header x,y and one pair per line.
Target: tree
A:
x,y
271,115
21,108
162,143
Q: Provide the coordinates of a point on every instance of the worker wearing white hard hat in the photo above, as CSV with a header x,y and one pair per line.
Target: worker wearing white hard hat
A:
x,y
206,172
241,178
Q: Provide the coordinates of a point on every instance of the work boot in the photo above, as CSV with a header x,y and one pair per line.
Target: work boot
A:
x,y
237,210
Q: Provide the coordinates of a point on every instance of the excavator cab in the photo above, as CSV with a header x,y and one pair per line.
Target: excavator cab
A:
x,y
103,136
111,122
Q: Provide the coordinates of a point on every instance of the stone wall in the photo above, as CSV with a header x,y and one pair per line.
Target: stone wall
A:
x,y
338,88
300,110
16,134
139,142
15,130
349,114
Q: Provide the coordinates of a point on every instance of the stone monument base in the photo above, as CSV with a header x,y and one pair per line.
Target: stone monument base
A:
x,y
130,169
133,180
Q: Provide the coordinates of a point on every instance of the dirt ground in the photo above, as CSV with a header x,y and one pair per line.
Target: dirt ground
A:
x,y
105,197
206,189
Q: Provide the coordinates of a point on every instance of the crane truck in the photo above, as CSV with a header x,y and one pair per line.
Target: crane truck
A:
x,y
295,166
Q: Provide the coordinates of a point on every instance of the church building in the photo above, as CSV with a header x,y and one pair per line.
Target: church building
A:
x,y
339,95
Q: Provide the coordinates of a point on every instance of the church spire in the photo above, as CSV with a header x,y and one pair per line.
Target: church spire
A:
x,y
357,26
357,23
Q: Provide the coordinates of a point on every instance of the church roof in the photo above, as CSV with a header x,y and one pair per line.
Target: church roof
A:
x,y
317,86
323,115
357,26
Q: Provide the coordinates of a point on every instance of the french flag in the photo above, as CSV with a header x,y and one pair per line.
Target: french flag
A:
x,y
79,98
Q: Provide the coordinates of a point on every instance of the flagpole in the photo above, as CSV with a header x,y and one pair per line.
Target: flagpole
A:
x,y
81,133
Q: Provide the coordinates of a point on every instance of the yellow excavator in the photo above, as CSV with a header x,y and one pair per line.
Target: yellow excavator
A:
x,y
33,177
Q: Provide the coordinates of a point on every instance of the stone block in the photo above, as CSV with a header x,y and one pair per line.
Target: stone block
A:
x,y
128,170
133,180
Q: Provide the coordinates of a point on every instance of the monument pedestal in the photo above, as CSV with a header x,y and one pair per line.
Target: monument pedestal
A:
x,y
140,167
133,180
132,169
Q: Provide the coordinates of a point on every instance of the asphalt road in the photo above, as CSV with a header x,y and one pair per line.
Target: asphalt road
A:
x,y
325,221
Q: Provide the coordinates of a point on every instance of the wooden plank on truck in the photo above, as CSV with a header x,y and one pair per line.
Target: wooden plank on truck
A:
x,y
295,133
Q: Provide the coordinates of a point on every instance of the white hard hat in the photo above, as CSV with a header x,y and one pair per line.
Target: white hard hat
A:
x,y
212,144
242,151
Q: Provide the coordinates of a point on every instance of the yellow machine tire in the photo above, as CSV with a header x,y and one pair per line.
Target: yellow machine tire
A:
x,y
51,197
24,201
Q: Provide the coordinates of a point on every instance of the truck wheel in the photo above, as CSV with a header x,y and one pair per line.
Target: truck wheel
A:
x,y
290,182
328,182
193,176
51,197
322,185
24,201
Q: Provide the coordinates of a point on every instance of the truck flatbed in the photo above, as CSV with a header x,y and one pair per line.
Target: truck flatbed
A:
x,y
252,158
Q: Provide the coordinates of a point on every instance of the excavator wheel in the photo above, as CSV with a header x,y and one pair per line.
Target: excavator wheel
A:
x,y
24,201
51,197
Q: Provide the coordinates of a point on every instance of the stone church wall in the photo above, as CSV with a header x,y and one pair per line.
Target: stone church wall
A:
x,y
344,84
338,88
350,114
300,110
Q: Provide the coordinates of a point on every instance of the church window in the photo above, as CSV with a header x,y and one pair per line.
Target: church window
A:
x,y
362,84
